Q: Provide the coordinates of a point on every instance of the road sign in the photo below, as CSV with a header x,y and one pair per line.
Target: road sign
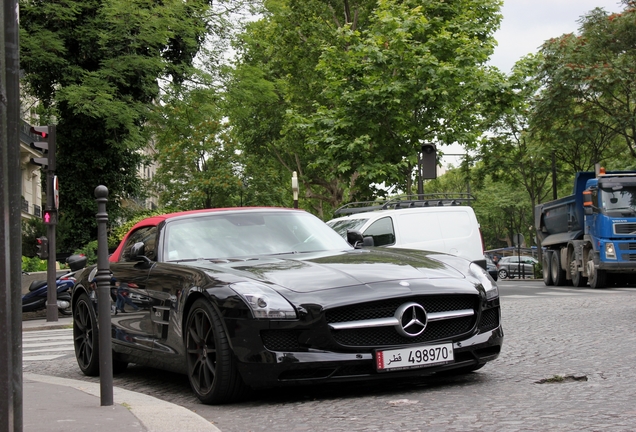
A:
x,y
518,239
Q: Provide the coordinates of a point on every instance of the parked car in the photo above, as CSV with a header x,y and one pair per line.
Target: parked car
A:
x,y
519,266
451,229
253,298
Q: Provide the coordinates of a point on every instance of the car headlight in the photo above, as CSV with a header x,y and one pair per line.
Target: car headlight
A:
x,y
610,252
264,301
490,286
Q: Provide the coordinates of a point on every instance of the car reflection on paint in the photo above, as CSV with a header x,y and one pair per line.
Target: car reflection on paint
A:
x,y
245,298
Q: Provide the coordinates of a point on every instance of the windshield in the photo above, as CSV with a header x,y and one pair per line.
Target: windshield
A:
x,y
619,201
247,233
341,226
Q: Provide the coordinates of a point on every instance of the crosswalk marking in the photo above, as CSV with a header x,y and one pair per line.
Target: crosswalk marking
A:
x,y
46,344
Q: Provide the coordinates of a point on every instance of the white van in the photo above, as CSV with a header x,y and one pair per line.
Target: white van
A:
x,y
449,229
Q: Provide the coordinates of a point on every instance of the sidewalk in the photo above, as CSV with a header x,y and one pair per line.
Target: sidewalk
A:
x,y
52,404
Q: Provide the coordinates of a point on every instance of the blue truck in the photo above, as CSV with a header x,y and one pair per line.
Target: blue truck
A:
x,y
590,236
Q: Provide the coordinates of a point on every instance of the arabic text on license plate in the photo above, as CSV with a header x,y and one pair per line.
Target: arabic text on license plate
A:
x,y
413,357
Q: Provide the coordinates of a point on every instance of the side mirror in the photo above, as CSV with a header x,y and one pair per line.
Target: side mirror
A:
x,y
368,241
138,252
354,237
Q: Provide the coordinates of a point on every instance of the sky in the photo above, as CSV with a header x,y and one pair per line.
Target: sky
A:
x,y
526,25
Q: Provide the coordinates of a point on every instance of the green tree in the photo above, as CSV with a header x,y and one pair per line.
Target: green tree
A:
x,y
509,151
339,90
415,74
589,89
95,66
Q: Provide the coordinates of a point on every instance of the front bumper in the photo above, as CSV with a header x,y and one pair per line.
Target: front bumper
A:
x,y
315,367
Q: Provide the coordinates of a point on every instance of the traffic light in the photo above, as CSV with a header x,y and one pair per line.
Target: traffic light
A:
x,y
49,217
429,161
43,247
45,144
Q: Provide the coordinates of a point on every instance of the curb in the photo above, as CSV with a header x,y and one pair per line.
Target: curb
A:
x,y
155,414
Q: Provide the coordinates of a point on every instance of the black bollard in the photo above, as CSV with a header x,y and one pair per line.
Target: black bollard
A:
x,y
103,300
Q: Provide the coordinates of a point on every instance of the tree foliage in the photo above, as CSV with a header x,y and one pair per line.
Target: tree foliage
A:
x,y
589,87
95,65
344,92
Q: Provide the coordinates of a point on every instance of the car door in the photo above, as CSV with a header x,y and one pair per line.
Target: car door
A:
x,y
132,329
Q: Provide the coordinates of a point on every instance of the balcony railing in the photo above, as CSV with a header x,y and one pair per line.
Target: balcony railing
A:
x,y
37,210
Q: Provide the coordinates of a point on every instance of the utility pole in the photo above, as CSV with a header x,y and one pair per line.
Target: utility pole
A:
x,y
11,412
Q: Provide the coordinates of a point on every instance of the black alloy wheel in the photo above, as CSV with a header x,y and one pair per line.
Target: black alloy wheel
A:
x,y
85,336
212,370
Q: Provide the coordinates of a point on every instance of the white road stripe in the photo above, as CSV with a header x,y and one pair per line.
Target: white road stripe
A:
x,y
46,345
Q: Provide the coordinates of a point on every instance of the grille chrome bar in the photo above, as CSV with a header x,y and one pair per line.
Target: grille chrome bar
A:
x,y
393,321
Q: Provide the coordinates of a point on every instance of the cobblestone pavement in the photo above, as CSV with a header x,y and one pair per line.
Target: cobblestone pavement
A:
x,y
568,364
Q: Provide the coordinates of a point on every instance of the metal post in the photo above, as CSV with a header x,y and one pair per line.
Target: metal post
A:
x,y
51,284
10,232
103,300
420,180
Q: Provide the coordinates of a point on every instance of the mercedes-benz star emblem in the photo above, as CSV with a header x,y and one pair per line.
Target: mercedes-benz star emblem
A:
x,y
411,319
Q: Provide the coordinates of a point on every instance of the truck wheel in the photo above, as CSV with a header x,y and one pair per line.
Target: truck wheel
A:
x,y
596,278
547,274
558,274
578,280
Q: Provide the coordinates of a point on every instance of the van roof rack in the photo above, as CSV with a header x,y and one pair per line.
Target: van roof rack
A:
x,y
406,201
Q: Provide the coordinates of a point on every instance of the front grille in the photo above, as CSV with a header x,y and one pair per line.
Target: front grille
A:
x,y
288,340
625,228
489,320
627,246
382,336
387,335
386,308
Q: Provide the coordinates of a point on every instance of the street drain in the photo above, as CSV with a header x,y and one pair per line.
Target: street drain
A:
x,y
558,379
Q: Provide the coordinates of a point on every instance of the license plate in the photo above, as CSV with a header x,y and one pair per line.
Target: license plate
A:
x,y
413,357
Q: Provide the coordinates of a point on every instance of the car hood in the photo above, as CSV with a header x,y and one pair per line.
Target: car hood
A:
x,y
329,270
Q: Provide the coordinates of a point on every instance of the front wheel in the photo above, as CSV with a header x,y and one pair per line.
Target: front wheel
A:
x,y
85,336
212,369
596,278
502,273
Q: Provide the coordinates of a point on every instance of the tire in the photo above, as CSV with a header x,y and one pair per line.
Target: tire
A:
x,y
85,336
558,274
212,369
547,272
578,280
502,273
596,278
66,311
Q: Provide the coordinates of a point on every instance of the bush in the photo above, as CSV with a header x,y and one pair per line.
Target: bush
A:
x,y
34,264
